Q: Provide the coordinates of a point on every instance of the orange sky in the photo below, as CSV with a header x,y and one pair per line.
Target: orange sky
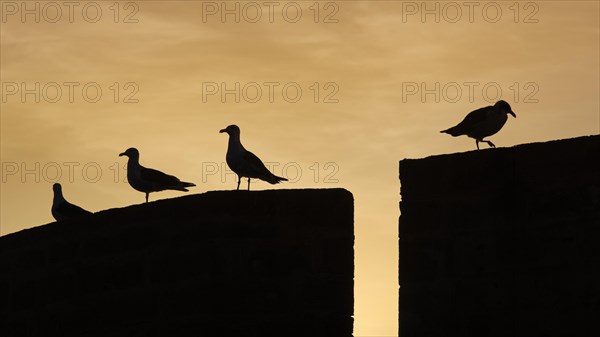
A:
x,y
367,63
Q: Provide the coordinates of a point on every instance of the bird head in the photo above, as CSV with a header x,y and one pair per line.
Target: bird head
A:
x,y
57,188
231,130
505,107
131,152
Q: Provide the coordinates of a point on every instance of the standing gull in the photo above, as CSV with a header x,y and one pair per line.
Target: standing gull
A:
x,y
243,162
149,180
483,122
62,209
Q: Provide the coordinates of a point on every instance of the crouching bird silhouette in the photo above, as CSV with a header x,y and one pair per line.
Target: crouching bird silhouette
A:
x,y
64,210
483,122
148,180
243,162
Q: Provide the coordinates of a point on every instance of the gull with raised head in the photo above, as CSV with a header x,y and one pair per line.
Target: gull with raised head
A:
x,y
148,180
243,162
64,210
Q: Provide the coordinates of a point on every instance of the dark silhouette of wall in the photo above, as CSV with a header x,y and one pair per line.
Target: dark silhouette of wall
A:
x,y
502,242
227,263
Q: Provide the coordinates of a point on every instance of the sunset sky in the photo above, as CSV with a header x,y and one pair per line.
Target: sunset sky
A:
x,y
378,81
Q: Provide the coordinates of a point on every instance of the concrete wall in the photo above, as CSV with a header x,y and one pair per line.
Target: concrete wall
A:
x,y
235,263
502,242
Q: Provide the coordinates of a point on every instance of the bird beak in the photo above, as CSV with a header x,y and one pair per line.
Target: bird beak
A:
x,y
513,114
121,154
222,130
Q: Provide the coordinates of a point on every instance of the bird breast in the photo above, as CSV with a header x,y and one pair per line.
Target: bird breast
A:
x,y
490,125
234,158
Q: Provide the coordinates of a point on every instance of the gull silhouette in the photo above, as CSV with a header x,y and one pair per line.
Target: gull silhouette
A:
x,y
148,180
483,122
243,162
62,209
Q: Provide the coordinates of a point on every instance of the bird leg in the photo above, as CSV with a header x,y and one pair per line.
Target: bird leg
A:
x,y
239,180
248,184
147,197
490,143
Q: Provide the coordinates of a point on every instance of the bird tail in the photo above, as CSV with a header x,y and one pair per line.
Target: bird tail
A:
x,y
273,179
453,131
182,186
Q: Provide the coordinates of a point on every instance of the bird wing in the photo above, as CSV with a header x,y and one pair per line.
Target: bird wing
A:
x,y
70,210
156,177
255,165
470,123
475,117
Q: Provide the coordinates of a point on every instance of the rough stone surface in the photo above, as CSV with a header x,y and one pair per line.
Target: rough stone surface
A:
x,y
502,242
225,263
